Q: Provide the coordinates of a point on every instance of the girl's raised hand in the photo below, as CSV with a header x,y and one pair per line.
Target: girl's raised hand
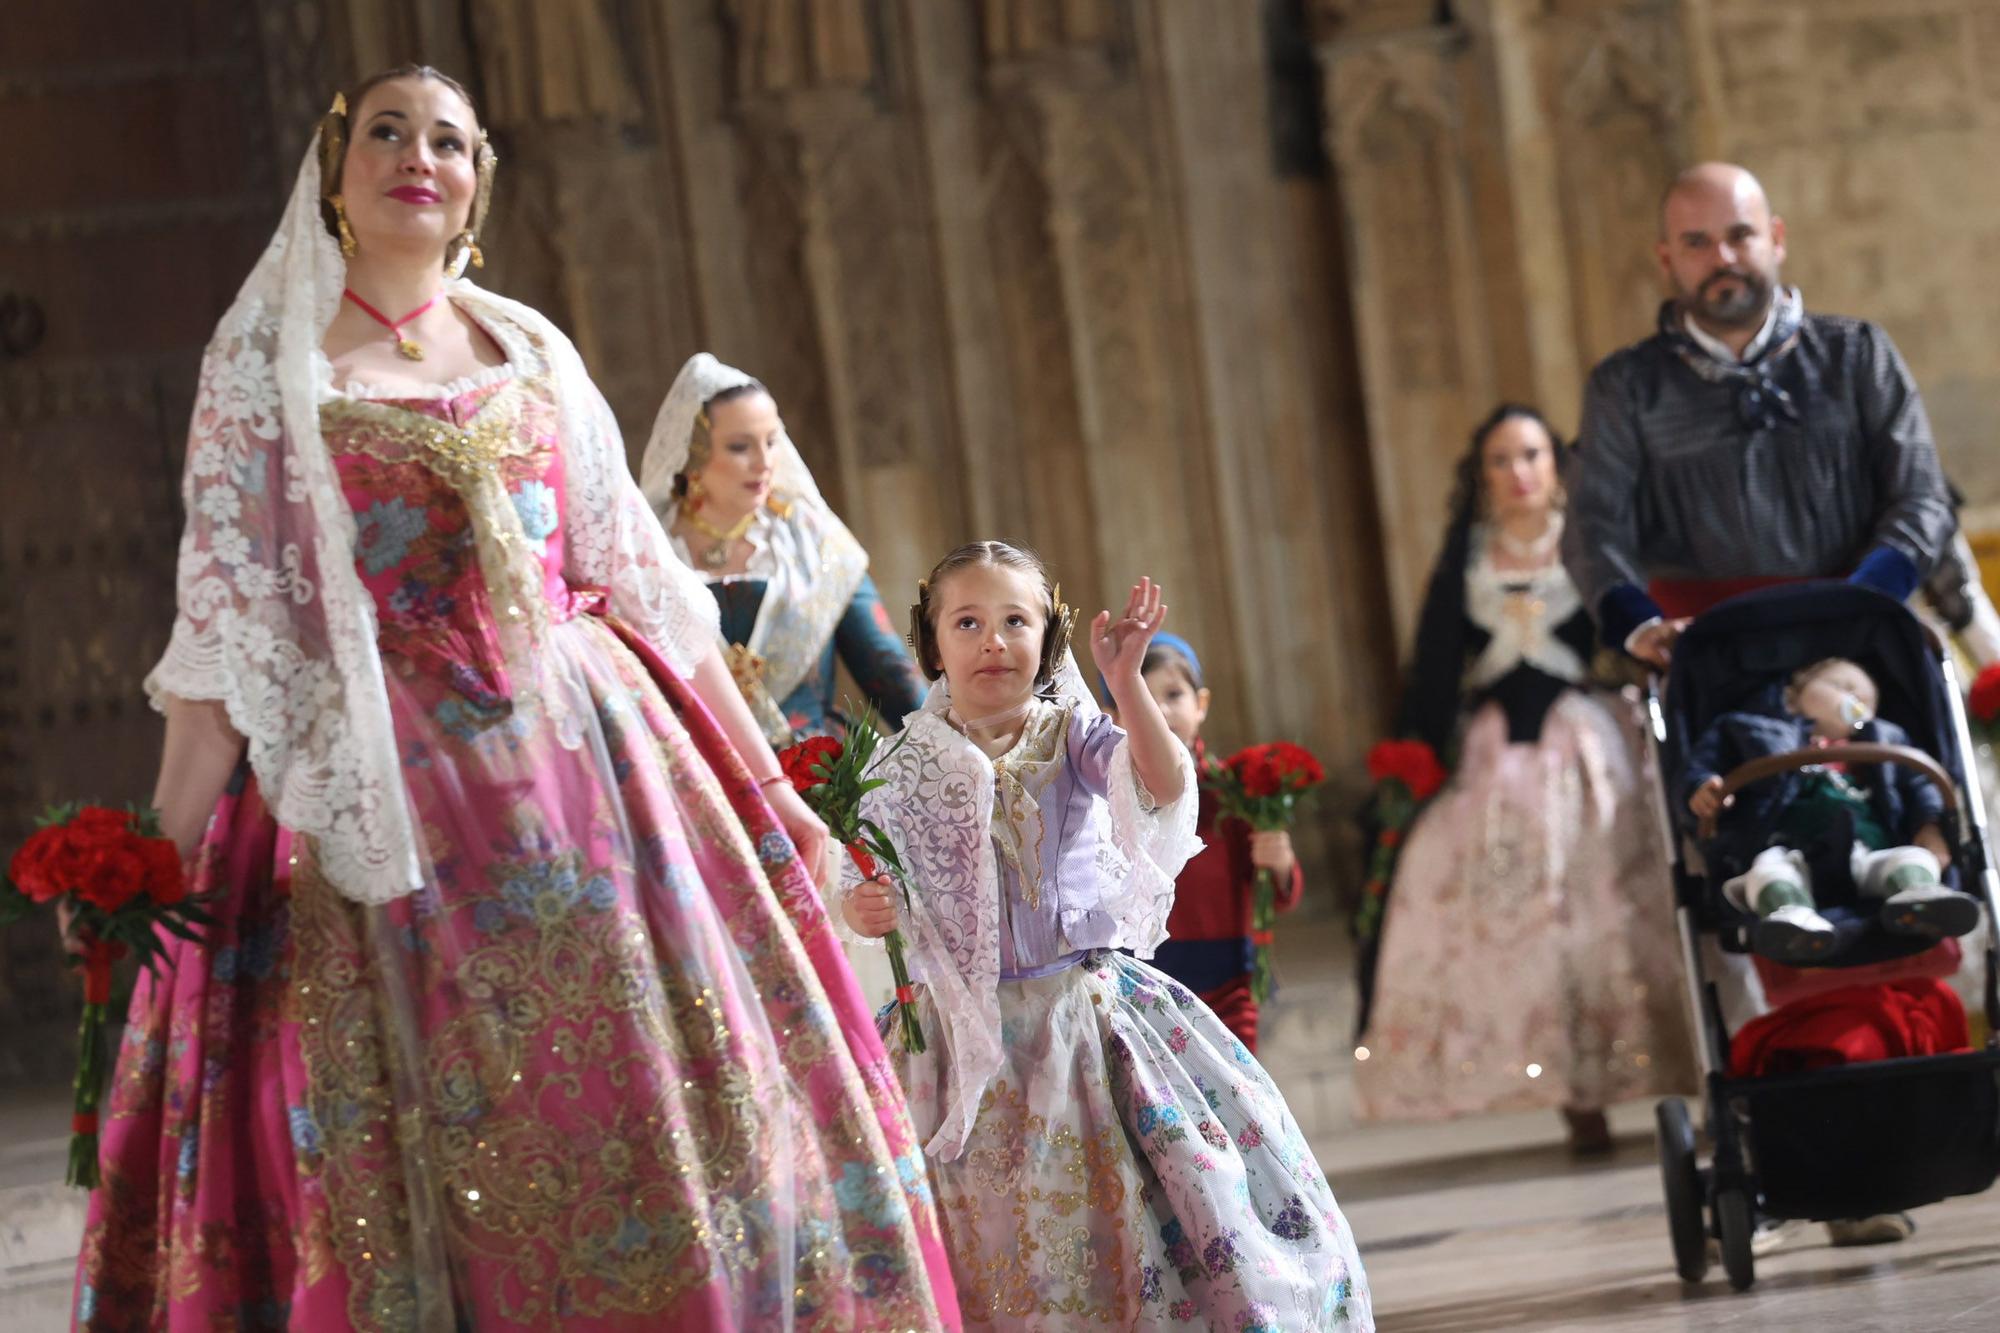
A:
x,y
1119,647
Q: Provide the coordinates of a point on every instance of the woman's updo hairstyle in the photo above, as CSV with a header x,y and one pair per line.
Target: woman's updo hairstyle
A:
x,y
333,140
701,442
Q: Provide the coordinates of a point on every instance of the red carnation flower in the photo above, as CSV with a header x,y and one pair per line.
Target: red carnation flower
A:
x,y
114,873
1412,763
1986,694
1274,769
122,879
166,881
1295,765
1253,768
46,866
799,761
98,818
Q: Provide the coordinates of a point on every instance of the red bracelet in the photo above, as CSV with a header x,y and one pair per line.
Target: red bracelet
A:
x,y
775,777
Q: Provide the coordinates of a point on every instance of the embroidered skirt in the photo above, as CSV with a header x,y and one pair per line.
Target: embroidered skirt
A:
x,y
1133,1166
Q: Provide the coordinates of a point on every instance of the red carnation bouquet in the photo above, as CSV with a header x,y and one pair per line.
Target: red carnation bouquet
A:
x,y
1261,785
120,879
1406,774
833,777
1983,703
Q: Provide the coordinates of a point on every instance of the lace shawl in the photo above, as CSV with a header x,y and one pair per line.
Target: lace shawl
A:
x,y
1522,609
815,562
938,807
272,619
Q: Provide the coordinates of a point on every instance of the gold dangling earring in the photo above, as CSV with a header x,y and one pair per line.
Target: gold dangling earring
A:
x,y
466,249
347,245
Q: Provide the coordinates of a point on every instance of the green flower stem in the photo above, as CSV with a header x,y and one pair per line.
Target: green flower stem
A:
x,y
89,1087
906,1010
1263,914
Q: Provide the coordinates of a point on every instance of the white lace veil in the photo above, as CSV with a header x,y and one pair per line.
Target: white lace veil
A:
x,y
816,563
702,378
273,621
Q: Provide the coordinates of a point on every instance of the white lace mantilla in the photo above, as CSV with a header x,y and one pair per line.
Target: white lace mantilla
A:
x,y
273,621
701,378
938,808
811,562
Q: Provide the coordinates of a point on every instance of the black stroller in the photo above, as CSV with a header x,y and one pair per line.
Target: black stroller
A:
x,y
1860,1139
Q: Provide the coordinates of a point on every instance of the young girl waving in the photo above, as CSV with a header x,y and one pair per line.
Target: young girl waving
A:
x,y
1103,1150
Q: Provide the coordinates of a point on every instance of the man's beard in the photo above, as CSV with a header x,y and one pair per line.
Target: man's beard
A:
x,y
1741,307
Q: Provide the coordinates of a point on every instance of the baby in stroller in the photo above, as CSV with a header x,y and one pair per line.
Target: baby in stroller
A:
x,y
1869,831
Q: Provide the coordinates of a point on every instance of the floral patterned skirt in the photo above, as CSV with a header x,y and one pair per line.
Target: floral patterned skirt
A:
x,y
1133,1166
1529,955
604,1070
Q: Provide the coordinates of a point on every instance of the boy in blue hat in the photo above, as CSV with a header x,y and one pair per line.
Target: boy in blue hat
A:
x,y
1208,947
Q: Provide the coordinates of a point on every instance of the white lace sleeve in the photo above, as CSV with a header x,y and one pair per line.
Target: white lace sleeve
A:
x,y
1156,840
272,621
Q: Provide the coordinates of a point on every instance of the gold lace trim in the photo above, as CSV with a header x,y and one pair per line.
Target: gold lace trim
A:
x,y
470,459
1020,777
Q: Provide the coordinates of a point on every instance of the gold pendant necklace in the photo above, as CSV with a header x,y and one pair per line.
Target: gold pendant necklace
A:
x,y
406,346
716,557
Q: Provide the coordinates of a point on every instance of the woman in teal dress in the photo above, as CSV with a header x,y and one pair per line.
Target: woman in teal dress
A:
x,y
791,580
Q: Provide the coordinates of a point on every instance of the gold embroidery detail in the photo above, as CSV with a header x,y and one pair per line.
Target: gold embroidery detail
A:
x,y
744,667
468,1063
363,1219
1063,1262
1020,777
507,434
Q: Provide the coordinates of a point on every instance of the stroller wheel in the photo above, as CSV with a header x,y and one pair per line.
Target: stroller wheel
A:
x,y
1681,1176
1732,1221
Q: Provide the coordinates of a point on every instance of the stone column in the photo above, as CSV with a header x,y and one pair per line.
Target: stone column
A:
x,y
816,266
1398,102
1295,523
1502,175
1099,344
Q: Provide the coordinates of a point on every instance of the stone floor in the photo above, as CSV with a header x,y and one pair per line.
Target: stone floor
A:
x,y
1474,1226
1487,1224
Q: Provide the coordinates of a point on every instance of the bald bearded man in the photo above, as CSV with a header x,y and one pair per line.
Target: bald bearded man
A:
x,y
1747,440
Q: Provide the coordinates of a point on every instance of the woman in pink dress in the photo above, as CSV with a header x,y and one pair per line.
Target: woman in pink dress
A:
x,y
1525,956
520,1009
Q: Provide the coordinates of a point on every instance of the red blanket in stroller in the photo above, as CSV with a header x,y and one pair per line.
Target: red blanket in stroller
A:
x,y
1922,1016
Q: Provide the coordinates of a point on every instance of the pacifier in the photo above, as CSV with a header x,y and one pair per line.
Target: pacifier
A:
x,y
1854,714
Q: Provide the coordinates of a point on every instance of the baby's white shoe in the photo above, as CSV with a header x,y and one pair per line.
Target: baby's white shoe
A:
x,y
1795,934
1930,910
